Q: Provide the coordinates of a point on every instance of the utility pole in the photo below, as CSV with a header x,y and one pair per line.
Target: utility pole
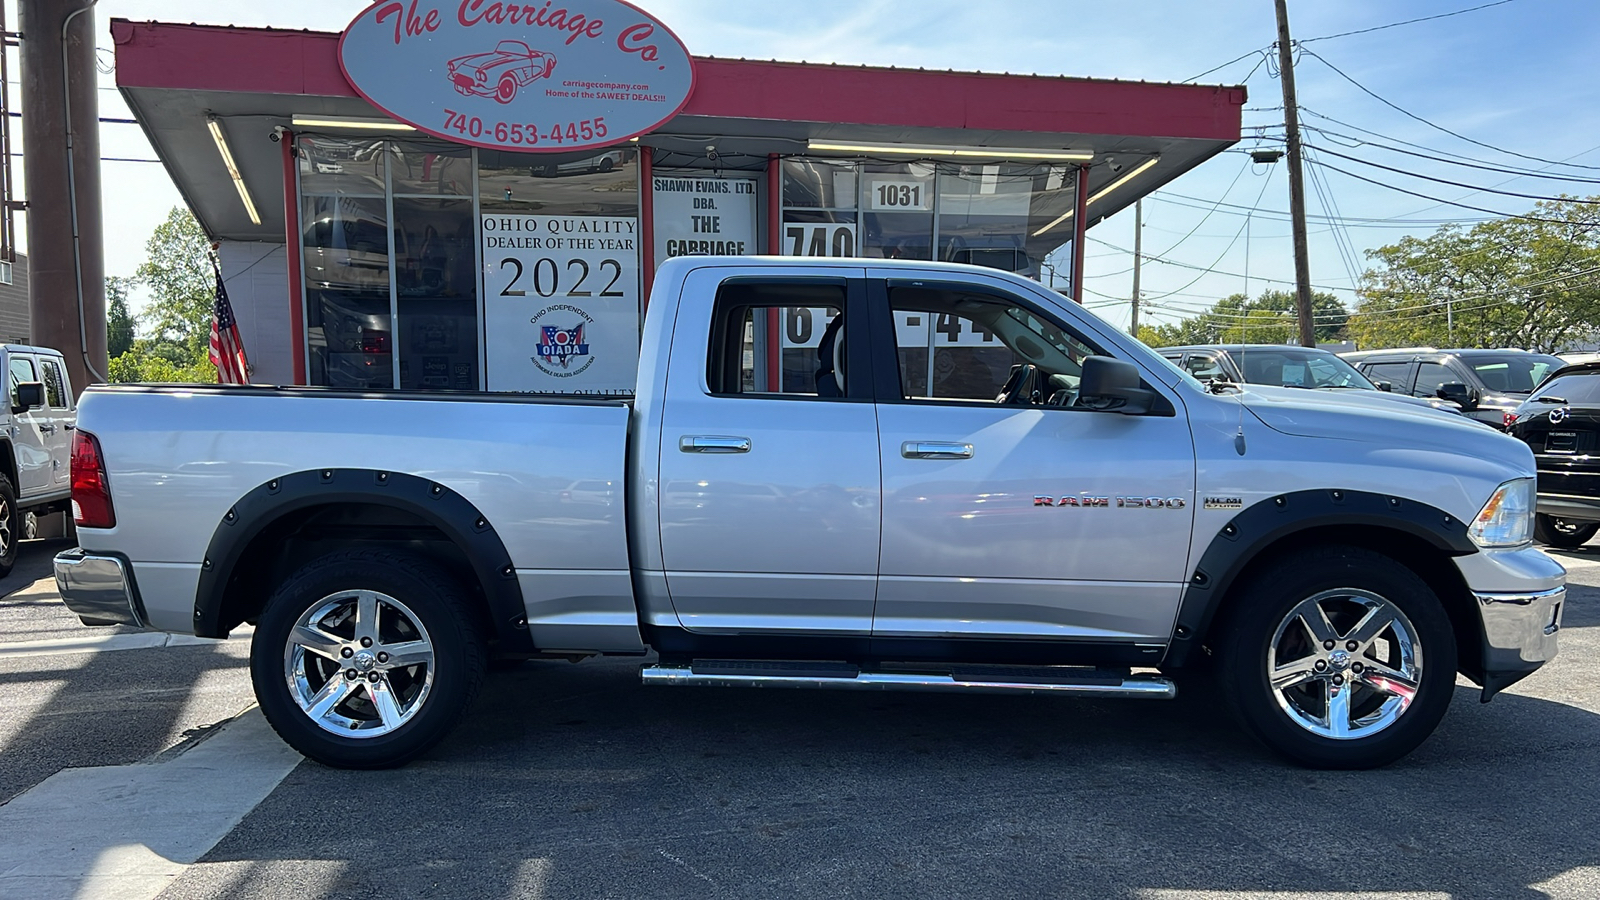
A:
x,y
61,152
1138,249
1297,186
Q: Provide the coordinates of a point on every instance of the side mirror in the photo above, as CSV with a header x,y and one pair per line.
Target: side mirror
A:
x,y
1459,394
29,394
1387,386
1111,385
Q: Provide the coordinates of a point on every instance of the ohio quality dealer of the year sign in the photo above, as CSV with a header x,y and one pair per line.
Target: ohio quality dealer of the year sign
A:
x,y
547,76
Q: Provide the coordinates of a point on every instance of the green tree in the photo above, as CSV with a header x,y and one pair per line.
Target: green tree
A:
x,y
176,323
1236,319
119,322
1503,283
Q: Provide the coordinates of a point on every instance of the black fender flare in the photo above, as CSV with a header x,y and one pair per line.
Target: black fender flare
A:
x,y
1264,523
452,514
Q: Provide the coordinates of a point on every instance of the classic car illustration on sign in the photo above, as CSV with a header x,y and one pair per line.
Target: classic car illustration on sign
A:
x,y
498,73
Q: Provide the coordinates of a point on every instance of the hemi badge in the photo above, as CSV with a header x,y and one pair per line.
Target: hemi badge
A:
x,y
1224,503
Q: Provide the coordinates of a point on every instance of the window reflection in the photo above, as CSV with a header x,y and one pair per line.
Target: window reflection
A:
x,y
345,252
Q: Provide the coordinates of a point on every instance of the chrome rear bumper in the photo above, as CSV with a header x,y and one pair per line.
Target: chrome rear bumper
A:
x,y
98,588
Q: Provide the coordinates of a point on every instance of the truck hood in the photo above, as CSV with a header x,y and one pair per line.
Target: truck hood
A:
x,y
1368,416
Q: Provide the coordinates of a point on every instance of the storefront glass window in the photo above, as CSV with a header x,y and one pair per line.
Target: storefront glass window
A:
x,y
430,168
339,165
984,217
436,287
345,252
602,184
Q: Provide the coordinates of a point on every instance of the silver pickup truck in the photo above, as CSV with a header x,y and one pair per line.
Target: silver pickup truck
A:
x,y
847,474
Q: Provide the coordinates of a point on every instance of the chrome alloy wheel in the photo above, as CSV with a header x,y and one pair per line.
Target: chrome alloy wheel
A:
x,y
1345,664
359,664
7,538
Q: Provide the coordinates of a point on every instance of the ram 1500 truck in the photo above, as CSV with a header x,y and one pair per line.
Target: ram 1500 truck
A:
x,y
847,474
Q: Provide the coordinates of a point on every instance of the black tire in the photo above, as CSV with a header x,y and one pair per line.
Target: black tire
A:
x,y
1567,534
10,526
417,589
1350,581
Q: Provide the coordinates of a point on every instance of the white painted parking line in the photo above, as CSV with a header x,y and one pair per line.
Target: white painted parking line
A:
x,y
97,643
1169,894
127,832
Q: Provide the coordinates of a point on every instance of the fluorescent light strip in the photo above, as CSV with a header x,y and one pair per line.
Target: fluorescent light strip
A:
x,y
366,124
233,168
979,152
1102,192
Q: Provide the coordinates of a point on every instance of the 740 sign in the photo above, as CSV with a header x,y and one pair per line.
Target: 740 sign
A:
x,y
525,134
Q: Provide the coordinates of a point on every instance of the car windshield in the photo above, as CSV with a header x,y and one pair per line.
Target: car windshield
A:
x,y
1298,367
513,47
1578,389
1513,373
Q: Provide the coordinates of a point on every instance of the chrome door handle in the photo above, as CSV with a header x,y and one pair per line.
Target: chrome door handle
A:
x,y
700,443
935,450
47,429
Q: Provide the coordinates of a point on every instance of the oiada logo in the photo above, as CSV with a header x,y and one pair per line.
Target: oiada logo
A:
x,y
561,347
486,72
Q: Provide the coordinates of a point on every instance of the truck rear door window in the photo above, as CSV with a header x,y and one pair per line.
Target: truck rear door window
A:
x,y
781,338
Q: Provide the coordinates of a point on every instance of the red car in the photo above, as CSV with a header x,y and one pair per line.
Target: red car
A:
x,y
501,72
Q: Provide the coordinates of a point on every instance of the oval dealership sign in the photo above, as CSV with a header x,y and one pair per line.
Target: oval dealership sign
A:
x,y
546,76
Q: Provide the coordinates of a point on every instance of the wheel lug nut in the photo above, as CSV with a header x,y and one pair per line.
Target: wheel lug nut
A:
x,y
1321,665
373,677
1351,646
366,642
351,674
1338,679
347,653
1327,645
383,657
1356,667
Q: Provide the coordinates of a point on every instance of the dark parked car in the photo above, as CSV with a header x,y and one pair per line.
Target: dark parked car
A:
x,y
1487,384
1560,421
1282,365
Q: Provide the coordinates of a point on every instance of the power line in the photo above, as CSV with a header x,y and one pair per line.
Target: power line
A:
x,y
1364,89
1192,267
1225,193
1230,62
1329,37
1225,250
1501,170
1395,222
1471,187
1433,199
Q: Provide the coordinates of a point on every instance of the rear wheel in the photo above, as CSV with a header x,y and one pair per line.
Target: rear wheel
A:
x,y
10,526
1567,534
366,658
1338,658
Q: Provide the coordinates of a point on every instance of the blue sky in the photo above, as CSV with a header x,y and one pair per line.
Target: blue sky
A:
x,y
1520,76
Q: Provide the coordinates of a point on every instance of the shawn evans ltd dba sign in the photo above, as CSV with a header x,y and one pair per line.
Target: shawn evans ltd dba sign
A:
x,y
541,76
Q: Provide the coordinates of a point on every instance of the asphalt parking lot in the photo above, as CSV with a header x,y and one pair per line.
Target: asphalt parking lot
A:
x,y
576,781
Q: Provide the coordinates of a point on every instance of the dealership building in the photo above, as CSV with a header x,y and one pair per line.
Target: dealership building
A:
x,y
438,198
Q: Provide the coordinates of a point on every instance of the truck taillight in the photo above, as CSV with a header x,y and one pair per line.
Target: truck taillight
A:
x,y
91,494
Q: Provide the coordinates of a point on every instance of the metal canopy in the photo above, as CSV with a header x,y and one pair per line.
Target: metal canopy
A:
x,y
252,81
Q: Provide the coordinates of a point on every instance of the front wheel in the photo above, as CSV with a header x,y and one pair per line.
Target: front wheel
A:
x,y
1564,533
10,526
366,658
1338,658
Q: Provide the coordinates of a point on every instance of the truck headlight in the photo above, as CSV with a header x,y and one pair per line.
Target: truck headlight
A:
x,y
1507,519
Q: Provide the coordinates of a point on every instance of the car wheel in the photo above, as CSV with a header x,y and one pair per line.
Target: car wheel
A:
x,y
1564,533
1338,658
10,526
606,164
506,91
364,659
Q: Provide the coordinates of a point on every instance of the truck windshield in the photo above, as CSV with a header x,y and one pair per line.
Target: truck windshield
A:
x,y
1513,373
1299,367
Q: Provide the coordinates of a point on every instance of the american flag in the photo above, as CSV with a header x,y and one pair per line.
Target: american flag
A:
x,y
227,348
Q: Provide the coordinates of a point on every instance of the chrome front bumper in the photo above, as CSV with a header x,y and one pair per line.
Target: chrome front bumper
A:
x,y
1519,634
98,588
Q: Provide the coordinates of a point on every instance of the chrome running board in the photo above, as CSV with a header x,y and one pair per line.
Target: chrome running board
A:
x,y
965,680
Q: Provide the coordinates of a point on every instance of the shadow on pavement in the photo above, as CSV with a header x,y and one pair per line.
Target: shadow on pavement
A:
x,y
576,781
